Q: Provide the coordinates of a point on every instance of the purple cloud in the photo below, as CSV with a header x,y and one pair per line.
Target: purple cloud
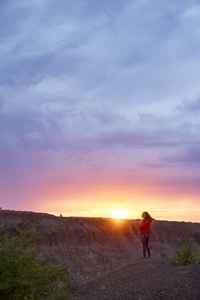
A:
x,y
94,91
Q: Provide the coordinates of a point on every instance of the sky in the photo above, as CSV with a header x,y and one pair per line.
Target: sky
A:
x,y
100,107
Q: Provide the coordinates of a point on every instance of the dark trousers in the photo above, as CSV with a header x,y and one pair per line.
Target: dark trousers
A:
x,y
145,242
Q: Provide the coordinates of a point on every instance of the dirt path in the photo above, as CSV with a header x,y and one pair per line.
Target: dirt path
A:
x,y
147,279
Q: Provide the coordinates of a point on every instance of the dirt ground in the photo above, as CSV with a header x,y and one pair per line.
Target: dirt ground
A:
x,y
145,279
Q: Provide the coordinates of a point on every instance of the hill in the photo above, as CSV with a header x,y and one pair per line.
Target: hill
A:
x,y
105,255
90,246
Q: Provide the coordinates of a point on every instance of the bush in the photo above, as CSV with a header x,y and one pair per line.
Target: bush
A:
x,y
24,274
187,253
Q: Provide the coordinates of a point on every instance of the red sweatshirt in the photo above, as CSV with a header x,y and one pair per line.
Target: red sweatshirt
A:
x,y
145,227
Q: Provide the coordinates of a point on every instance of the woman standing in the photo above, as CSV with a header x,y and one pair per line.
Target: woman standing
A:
x,y
145,229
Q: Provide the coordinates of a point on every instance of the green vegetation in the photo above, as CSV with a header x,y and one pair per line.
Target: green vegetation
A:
x,y
187,253
24,274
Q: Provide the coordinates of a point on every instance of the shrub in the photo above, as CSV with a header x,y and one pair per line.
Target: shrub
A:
x,y
187,253
24,274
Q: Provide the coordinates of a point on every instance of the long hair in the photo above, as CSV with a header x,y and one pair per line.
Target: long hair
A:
x,y
148,218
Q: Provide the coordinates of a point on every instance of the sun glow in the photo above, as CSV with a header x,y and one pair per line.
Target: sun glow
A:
x,y
119,214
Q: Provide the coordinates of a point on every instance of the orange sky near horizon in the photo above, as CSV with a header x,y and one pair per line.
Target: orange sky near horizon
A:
x,y
96,201
91,198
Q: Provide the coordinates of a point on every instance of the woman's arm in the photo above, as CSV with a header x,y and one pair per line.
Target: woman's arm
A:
x,y
142,225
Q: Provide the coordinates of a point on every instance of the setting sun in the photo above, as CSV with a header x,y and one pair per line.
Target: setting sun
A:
x,y
118,213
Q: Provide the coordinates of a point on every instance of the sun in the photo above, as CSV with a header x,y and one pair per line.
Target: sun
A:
x,y
118,213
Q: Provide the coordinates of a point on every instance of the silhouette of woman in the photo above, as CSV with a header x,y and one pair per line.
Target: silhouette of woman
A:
x,y
145,229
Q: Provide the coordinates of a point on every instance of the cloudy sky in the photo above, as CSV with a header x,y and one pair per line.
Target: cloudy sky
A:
x,y
100,107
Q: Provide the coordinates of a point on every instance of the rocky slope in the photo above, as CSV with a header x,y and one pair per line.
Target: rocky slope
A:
x,y
90,246
144,279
